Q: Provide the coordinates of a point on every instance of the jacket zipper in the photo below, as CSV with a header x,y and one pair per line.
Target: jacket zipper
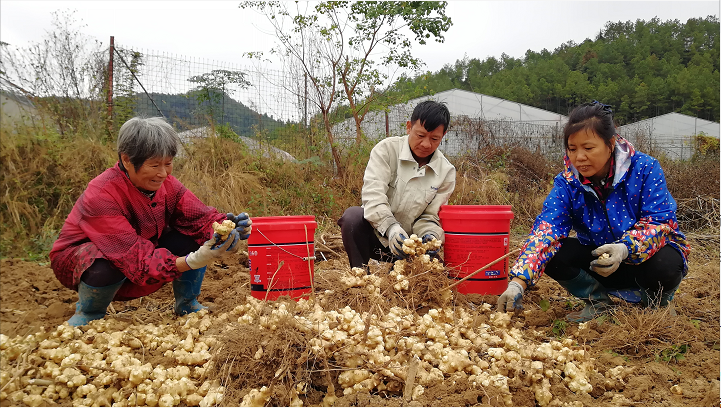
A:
x,y
605,211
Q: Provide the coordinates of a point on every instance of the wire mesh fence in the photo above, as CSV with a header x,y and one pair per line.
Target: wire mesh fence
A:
x,y
273,106
193,92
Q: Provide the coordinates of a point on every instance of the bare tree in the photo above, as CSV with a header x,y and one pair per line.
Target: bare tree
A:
x,y
333,44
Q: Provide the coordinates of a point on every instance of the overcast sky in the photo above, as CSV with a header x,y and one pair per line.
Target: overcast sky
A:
x,y
221,31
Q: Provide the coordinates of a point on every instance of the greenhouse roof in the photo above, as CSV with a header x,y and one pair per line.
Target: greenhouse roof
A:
x,y
672,125
476,105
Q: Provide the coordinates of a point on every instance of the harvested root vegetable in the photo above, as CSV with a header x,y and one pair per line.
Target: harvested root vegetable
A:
x,y
223,229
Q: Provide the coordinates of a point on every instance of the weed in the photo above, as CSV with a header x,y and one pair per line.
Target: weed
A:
x,y
558,327
544,305
674,353
696,323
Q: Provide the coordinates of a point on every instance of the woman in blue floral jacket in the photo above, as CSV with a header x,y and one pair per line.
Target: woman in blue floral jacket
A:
x,y
616,200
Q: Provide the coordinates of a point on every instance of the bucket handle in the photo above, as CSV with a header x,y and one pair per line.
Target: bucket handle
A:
x,y
305,258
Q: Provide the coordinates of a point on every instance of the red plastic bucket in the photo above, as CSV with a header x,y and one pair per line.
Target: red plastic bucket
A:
x,y
475,236
281,255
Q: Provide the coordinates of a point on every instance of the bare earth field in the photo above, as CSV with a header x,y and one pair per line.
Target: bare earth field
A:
x,y
632,358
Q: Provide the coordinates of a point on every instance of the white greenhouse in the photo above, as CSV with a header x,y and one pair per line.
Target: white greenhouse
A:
x,y
477,120
671,134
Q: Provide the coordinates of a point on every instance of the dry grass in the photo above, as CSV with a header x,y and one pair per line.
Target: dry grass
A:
x,y
279,362
425,289
43,173
645,332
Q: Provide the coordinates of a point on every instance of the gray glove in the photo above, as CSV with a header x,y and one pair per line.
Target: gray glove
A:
x,y
433,254
511,299
606,265
207,253
243,224
396,235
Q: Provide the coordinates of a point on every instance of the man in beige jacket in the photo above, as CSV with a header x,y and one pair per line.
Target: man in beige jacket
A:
x,y
405,183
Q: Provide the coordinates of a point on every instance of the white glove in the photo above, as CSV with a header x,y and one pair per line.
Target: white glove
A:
x,y
396,235
206,253
606,265
511,299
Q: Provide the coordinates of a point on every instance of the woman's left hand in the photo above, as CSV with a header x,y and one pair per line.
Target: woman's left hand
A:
x,y
243,224
609,258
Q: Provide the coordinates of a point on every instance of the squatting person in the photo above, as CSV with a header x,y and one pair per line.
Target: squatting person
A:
x,y
136,227
406,181
616,200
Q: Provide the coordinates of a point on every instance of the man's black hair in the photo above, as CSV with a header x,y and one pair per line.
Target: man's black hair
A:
x,y
432,114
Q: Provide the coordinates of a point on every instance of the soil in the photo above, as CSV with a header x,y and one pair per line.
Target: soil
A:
x,y
33,298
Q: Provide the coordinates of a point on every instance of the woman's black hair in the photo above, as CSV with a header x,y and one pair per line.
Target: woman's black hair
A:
x,y
593,116
432,114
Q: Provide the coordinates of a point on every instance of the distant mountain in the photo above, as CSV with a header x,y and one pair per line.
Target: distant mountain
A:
x,y
185,112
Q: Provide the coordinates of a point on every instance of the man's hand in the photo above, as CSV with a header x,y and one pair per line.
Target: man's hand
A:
x,y
610,257
207,252
396,235
243,224
511,299
434,253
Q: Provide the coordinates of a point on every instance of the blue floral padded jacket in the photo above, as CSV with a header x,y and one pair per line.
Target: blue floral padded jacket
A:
x,y
639,213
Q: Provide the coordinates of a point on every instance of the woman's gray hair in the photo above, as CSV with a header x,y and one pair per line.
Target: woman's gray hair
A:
x,y
145,138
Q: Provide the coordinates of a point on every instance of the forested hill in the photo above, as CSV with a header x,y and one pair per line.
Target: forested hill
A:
x,y
188,111
642,69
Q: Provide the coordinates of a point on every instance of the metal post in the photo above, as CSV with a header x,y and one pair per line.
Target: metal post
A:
x,y
387,127
110,79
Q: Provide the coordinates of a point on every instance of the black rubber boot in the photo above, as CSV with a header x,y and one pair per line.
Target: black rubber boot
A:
x,y
593,294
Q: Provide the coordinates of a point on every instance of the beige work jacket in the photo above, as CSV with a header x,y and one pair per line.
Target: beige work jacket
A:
x,y
395,189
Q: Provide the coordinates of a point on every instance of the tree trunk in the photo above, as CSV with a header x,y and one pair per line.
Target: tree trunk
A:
x,y
358,131
331,140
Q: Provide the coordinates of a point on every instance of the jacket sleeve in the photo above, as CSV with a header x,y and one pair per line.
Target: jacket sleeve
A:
x,y
657,218
551,226
108,228
193,218
376,179
429,222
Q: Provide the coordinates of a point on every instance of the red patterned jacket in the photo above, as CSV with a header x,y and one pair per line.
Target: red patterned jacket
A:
x,y
112,219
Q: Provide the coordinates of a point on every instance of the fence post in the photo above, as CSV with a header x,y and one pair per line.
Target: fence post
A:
x,y
387,127
110,84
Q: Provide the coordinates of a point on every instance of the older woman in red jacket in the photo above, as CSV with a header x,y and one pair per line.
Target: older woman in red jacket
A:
x,y
136,227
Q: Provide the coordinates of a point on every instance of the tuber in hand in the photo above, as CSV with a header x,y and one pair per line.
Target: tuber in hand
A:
x,y
224,229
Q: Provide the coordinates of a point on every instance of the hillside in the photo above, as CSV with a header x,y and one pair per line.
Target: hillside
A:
x,y
185,111
642,68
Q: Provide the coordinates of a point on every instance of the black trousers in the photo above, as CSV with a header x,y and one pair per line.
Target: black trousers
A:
x,y
103,273
359,239
663,271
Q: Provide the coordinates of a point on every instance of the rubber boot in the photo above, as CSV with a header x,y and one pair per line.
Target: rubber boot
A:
x,y
655,300
93,302
186,290
593,294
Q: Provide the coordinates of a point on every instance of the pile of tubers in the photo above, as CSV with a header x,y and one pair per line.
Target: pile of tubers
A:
x,y
96,366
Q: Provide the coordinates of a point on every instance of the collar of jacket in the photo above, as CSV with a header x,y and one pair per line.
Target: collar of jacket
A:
x,y
623,153
407,155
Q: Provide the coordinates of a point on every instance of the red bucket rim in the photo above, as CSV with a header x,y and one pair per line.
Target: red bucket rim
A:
x,y
290,222
283,218
454,211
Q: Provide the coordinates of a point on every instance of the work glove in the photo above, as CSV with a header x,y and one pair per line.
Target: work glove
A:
x,y
396,235
606,265
511,299
434,253
209,252
243,224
